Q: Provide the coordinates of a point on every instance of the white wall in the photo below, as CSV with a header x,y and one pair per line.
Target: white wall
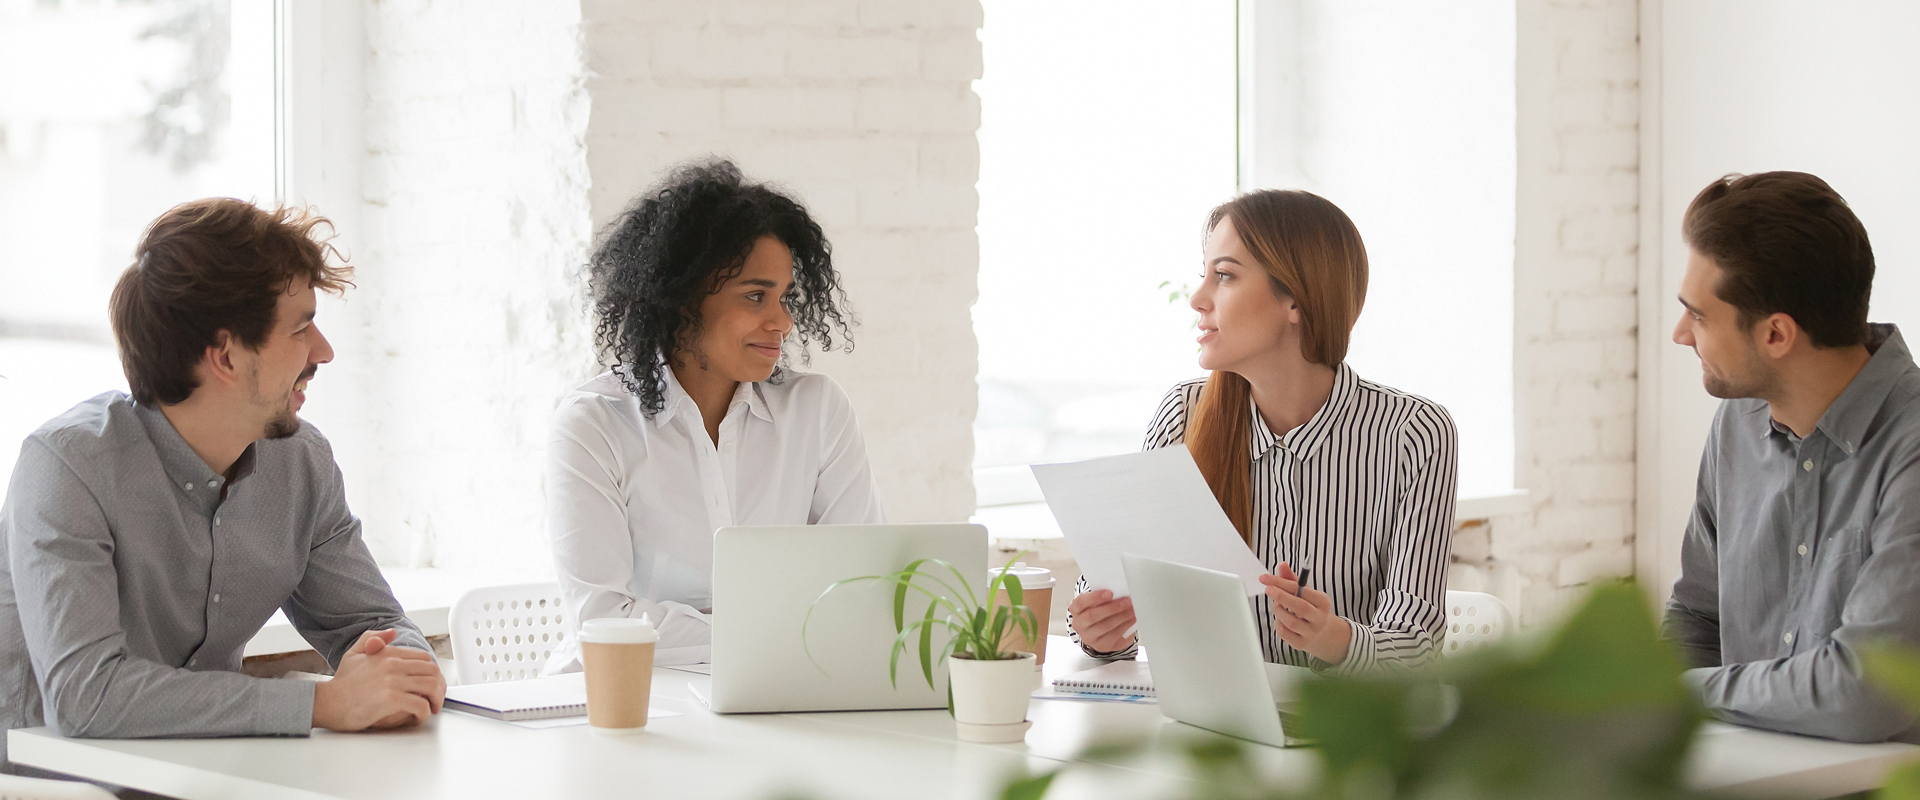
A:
x,y
1757,85
865,110
1575,277
465,326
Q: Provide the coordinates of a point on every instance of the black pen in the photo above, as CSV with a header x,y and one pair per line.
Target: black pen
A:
x,y
1301,588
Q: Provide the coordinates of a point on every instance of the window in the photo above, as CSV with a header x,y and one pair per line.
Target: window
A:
x,y
1403,115
1107,132
110,113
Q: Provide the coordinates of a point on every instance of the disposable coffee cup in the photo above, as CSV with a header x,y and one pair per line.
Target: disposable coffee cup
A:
x,y
1036,584
619,660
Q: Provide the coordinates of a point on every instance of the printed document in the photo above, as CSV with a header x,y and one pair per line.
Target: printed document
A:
x,y
1154,504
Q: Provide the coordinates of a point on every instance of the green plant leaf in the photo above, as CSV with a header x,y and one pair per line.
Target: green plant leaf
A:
x,y
1902,784
1608,654
926,645
1357,724
1028,788
1895,669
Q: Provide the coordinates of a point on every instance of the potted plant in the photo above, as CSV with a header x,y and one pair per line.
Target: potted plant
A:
x,y
989,685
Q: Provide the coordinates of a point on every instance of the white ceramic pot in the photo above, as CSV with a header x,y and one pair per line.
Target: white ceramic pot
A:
x,y
990,697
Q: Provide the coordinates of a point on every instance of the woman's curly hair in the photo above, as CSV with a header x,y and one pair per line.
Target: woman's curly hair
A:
x,y
680,242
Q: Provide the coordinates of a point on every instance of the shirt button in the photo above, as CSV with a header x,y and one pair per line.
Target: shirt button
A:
x,y
212,482
187,486
193,661
1807,465
216,597
1787,638
216,520
1803,549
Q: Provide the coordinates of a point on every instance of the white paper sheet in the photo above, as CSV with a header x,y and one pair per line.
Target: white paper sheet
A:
x,y
1153,504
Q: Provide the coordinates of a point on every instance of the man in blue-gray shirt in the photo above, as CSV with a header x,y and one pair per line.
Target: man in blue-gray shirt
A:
x,y
1804,546
145,539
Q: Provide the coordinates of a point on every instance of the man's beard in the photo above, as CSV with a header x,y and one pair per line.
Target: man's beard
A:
x,y
1758,379
284,422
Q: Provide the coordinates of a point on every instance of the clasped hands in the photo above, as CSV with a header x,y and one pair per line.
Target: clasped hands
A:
x,y
379,686
1303,618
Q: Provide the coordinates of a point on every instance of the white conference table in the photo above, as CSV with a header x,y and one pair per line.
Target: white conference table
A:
x,y
829,755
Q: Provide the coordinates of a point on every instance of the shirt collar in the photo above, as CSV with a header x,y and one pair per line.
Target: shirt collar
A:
x,y
185,470
676,396
1304,440
1845,421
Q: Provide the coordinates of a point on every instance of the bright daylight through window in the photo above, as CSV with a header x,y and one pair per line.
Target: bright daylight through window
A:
x,y
1106,132
110,113
1109,129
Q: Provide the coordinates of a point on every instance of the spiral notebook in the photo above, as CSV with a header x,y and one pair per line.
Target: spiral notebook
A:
x,y
1127,678
516,701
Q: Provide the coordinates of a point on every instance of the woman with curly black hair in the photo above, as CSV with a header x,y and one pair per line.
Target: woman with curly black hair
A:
x,y
701,290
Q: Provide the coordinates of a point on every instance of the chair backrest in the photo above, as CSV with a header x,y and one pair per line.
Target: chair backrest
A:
x,y
1474,620
505,633
15,787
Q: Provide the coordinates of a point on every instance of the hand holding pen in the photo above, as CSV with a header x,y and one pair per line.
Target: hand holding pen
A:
x,y
1303,616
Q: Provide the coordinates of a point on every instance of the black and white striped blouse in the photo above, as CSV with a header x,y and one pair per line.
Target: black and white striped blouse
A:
x,y
1363,494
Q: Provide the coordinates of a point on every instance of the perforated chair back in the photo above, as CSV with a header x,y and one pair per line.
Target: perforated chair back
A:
x,y
505,633
1474,620
15,787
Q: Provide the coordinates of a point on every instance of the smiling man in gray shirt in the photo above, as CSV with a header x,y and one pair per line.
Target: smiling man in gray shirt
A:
x,y
145,539
1804,546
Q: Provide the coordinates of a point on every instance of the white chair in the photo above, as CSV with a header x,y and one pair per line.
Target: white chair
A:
x,y
15,787
505,633
1474,620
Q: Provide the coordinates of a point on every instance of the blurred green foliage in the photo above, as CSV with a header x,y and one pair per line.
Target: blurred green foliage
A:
x,y
1896,670
1595,710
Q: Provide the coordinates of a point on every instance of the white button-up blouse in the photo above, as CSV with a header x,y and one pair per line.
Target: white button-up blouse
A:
x,y
632,502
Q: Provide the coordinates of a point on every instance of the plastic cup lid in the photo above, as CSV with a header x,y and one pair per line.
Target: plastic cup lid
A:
x,y
1030,577
619,631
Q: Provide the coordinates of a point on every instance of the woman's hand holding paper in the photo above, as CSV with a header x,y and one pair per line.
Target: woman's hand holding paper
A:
x,y
1105,623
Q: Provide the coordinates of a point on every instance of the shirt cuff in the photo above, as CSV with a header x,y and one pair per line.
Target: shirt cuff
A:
x,y
283,706
1360,651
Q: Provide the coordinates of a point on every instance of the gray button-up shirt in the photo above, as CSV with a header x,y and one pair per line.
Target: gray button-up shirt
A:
x,y
1801,551
129,585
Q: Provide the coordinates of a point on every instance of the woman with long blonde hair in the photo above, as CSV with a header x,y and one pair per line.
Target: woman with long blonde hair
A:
x,y
1341,480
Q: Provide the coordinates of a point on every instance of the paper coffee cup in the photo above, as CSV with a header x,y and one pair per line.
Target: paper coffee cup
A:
x,y
619,659
1036,583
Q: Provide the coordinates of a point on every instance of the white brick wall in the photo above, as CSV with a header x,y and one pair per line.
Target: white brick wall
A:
x,y
866,111
1576,260
464,328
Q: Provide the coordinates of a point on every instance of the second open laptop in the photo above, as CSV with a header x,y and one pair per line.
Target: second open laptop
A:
x,y
766,577
1208,670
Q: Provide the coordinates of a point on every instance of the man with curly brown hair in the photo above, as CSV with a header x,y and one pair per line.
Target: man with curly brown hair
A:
x,y
146,538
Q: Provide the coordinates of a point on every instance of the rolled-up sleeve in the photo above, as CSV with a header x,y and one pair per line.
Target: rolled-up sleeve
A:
x,y
61,555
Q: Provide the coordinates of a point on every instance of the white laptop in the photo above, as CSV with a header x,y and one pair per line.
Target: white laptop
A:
x,y
1207,667
766,577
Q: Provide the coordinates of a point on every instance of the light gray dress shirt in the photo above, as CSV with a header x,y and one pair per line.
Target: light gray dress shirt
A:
x,y
129,586
1802,551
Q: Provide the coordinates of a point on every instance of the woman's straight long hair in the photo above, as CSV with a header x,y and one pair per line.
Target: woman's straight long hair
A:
x,y
1313,254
